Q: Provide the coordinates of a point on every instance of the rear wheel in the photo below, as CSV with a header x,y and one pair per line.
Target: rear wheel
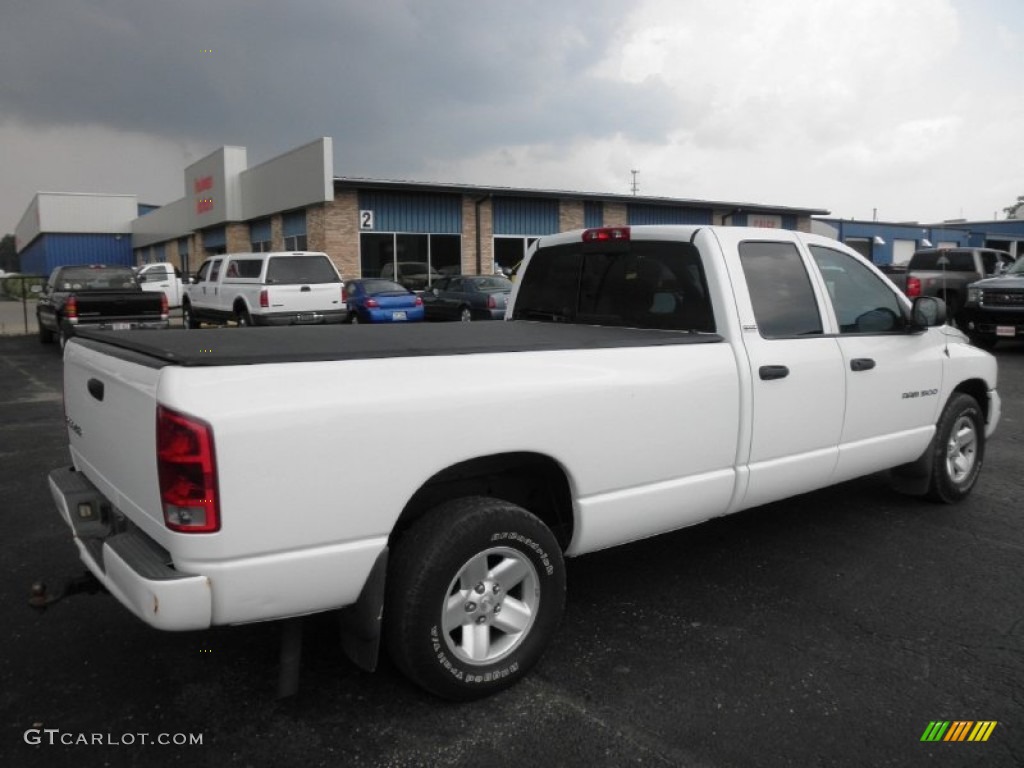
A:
x,y
187,318
475,593
242,317
465,315
958,450
45,335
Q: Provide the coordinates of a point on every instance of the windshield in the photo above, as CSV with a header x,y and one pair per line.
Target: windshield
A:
x,y
492,284
1017,268
95,278
375,287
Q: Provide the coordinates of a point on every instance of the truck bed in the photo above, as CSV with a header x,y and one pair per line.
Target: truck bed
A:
x,y
257,346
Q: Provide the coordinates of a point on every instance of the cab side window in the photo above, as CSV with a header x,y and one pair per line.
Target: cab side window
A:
x,y
204,272
780,290
863,303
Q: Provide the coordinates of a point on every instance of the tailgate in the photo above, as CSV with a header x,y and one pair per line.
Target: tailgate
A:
x,y
110,409
315,297
118,306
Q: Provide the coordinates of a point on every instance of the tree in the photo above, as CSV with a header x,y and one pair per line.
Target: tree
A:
x,y
8,256
1015,211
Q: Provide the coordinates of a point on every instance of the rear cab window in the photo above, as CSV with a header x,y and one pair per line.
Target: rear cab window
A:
x,y
306,269
637,284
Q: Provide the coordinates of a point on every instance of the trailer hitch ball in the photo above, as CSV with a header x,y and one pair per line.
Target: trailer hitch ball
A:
x,y
38,598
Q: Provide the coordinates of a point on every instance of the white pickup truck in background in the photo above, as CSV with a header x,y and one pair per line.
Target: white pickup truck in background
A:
x,y
649,378
287,288
161,276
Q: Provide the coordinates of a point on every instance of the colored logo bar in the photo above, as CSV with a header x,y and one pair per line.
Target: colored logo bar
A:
x,y
959,730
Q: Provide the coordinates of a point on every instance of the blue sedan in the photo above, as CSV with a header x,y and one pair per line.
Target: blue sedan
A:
x,y
374,300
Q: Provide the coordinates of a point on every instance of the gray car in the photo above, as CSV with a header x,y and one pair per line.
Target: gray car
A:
x,y
467,297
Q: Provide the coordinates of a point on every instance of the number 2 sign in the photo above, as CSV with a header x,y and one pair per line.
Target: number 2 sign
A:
x,y
366,219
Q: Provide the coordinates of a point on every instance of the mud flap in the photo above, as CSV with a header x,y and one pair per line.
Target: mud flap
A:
x,y
914,478
360,622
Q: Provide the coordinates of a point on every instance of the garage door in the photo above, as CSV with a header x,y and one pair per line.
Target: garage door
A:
x,y
902,250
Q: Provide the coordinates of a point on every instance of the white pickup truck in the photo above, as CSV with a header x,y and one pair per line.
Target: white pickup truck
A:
x,y
165,278
648,379
275,288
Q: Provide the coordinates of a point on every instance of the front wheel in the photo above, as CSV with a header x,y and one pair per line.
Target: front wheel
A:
x,y
958,450
476,591
187,318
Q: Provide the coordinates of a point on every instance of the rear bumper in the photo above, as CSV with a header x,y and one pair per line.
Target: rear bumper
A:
x,y
171,592
326,317
120,325
399,315
133,568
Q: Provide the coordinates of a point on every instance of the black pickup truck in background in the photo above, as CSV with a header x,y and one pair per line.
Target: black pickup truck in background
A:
x,y
96,296
995,308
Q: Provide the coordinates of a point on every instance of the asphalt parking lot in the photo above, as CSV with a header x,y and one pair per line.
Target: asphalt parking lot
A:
x,y
830,629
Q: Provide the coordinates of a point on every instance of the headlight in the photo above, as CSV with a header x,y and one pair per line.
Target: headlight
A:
x,y
973,295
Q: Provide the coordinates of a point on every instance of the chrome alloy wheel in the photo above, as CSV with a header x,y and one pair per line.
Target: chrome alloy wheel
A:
x,y
490,605
962,449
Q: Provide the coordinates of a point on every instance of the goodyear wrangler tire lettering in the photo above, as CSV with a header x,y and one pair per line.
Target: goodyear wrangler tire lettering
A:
x,y
475,592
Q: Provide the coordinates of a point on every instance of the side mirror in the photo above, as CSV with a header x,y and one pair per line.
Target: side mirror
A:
x,y
927,312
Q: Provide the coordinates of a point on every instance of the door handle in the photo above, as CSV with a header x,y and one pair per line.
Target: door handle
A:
x,y
770,372
862,364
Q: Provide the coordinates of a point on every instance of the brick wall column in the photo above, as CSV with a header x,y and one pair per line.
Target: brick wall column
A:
x,y
615,215
570,215
276,232
236,236
469,235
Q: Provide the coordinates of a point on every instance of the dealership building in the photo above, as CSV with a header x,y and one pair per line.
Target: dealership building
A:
x,y
295,202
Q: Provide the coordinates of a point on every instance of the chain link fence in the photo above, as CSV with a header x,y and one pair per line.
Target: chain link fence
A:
x,y
18,304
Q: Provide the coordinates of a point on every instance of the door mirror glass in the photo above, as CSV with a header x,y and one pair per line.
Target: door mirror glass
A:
x,y
928,312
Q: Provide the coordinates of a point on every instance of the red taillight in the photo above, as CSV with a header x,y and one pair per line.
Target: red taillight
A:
x,y
913,287
371,303
419,301
492,303
344,293
71,310
605,234
264,298
187,468
165,308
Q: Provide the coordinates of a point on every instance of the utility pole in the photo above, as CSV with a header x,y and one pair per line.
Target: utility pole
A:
x,y
634,186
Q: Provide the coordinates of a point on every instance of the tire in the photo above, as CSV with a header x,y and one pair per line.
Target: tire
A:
x,y
475,592
63,336
465,315
45,335
353,318
958,450
243,318
187,318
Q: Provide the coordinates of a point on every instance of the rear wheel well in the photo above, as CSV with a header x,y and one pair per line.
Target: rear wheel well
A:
x,y
532,481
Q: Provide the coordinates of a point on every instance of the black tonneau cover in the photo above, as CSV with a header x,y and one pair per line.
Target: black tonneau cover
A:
x,y
255,346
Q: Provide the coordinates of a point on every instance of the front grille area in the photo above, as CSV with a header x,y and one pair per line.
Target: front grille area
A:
x,y
1002,298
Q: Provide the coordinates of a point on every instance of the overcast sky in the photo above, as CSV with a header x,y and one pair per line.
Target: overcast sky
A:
x,y
911,107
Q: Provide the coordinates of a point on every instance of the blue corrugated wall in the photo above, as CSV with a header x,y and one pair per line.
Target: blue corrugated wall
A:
x,y
438,214
525,216
593,214
638,214
52,250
